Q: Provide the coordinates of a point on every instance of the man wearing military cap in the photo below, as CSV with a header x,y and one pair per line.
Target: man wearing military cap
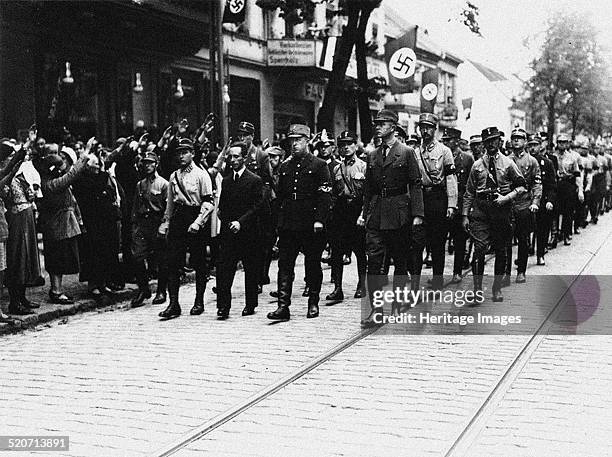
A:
x,y
188,208
392,208
258,162
304,195
476,146
437,167
463,165
345,236
276,154
568,186
549,196
527,204
494,182
147,214
401,134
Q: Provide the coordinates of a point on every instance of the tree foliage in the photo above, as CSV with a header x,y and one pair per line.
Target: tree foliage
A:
x,y
568,75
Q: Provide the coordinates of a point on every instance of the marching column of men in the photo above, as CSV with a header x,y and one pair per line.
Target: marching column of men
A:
x,y
409,192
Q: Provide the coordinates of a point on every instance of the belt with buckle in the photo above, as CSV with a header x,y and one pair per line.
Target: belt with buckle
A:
x,y
386,192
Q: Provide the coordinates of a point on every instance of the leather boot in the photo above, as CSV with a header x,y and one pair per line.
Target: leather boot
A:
x,y
497,290
477,275
313,305
360,291
306,292
285,284
198,304
173,310
141,296
520,278
337,294
162,284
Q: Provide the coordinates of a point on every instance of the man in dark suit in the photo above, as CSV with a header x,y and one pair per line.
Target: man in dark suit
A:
x,y
239,204
392,207
304,195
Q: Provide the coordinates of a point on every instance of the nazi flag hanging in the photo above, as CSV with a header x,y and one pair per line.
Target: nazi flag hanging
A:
x,y
234,12
401,62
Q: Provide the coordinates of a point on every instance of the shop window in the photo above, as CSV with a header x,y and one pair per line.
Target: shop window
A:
x,y
180,100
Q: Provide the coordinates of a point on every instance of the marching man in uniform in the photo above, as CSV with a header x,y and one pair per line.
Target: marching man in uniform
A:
x,y
304,195
188,208
494,182
392,208
349,179
437,166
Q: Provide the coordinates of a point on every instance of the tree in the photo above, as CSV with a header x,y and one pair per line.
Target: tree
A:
x,y
567,74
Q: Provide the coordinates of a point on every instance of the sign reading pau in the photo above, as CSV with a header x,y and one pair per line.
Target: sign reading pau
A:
x,y
291,53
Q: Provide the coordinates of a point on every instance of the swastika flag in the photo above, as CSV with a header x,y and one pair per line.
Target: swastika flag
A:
x,y
401,62
234,12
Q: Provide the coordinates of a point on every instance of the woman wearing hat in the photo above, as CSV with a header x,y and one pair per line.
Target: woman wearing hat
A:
x,y
59,222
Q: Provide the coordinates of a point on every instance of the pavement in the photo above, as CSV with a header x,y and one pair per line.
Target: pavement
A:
x,y
124,383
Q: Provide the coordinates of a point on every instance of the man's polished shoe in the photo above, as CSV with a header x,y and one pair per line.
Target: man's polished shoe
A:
x,y
374,319
140,298
280,314
566,242
359,293
520,278
259,289
248,311
173,310
457,278
577,231
346,260
306,292
223,313
505,282
313,311
60,299
541,261
197,309
274,293
29,304
336,295
160,297
19,310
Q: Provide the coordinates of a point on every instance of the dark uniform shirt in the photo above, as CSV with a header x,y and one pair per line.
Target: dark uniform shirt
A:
x,y
463,165
508,178
549,180
304,193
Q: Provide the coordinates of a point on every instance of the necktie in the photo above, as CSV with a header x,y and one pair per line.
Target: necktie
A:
x,y
236,176
492,168
385,149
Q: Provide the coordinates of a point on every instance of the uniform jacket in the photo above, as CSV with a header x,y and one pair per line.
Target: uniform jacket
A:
x,y
438,169
150,197
549,180
58,207
258,162
530,169
508,178
399,170
304,193
240,201
463,165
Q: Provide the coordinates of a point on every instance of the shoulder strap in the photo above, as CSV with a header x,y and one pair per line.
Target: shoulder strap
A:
x,y
351,190
181,188
427,170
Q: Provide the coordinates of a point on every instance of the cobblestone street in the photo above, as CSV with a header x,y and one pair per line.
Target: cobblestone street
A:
x,y
124,383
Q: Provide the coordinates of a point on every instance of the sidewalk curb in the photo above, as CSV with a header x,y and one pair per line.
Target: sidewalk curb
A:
x,y
57,311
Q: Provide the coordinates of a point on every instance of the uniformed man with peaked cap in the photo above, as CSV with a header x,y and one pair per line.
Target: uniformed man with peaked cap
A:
x,y
392,207
437,166
304,195
494,182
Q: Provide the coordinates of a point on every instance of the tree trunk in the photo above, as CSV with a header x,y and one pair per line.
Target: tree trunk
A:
x,y
336,81
551,117
363,102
